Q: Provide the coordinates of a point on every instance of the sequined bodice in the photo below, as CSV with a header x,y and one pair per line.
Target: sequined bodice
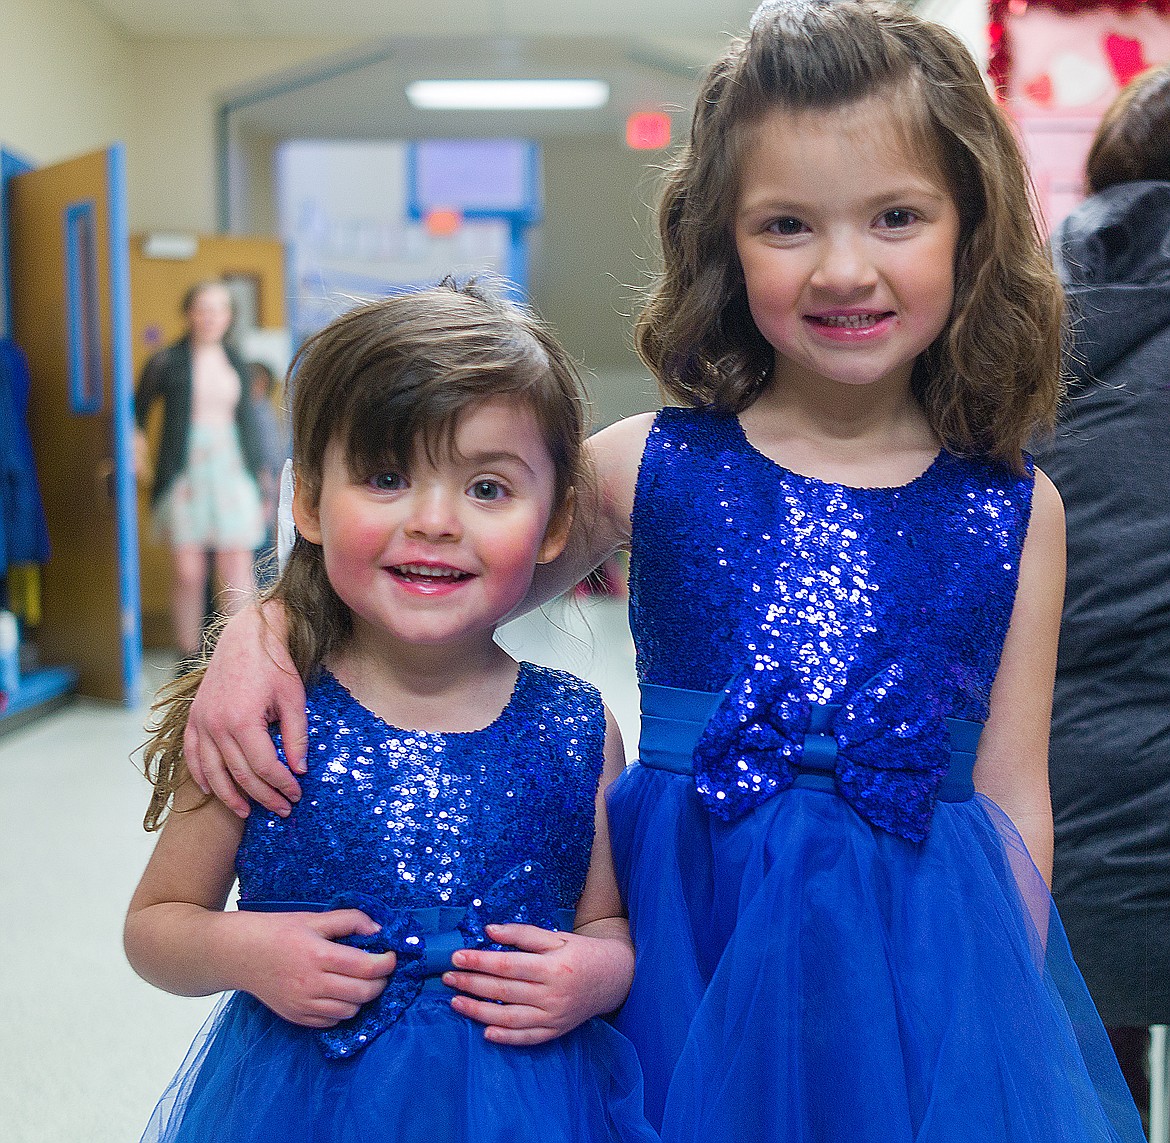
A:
x,y
732,553
422,819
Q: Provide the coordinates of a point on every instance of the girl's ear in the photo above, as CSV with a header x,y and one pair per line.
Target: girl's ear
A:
x,y
556,535
305,512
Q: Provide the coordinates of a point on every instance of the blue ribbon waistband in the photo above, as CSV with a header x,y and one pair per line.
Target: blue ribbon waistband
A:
x,y
439,924
673,720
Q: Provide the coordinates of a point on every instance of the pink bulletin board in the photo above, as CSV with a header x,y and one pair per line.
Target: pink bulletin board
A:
x,y
1057,65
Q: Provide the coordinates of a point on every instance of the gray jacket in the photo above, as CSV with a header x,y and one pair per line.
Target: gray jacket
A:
x,y
1110,747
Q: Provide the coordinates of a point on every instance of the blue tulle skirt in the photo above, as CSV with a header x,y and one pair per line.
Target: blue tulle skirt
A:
x,y
803,976
430,1078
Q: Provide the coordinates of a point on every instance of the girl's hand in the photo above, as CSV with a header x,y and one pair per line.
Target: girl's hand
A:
x,y
250,682
292,963
553,983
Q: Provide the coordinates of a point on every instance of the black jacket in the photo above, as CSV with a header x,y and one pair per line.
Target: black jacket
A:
x,y
1110,747
167,375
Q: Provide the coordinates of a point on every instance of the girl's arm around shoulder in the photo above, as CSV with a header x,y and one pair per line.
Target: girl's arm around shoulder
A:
x,y
1011,767
601,517
556,980
249,682
178,937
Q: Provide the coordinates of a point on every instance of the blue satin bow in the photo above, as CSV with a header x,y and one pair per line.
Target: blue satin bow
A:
x,y
523,895
886,751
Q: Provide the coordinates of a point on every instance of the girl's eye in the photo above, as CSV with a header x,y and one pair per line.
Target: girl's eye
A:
x,y
786,227
387,482
897,219
487,490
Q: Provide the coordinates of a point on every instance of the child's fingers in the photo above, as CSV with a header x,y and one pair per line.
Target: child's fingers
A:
x,y
325,1013
253,762
352,991
193,756
520,1037
219,780
359,965
493,988
512,1016
343,923
508,965
294,733
527,938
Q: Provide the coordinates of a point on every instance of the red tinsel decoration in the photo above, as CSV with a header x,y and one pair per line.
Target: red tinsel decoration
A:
x,y
999,62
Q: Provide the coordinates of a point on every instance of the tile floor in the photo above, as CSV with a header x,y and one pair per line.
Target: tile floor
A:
x,y
85,1046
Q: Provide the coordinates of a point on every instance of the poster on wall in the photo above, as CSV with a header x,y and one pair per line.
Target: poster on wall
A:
x,y
345,218
1058,65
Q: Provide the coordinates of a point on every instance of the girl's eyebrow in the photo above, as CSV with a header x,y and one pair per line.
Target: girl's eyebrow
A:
x,y
778,201
497,456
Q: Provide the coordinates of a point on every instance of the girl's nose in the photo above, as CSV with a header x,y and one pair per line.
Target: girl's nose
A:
x,y
434,515
844,266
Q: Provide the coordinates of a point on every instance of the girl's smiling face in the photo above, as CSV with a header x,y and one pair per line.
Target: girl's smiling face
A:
x,y
847,244
440,553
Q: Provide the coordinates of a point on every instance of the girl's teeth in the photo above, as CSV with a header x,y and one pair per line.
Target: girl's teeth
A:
x,y
435,573
850,321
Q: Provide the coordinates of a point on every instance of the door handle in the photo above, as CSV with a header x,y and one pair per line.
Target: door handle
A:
x,y
104,476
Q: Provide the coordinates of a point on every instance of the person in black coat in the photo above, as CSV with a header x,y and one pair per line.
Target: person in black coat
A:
x,y
204,497
1110,746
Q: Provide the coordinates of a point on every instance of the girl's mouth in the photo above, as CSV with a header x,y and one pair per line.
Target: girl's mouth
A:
x,y
849,321
428,575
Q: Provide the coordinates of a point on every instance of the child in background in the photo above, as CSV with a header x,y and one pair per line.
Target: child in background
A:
x,y
845,593
273,444
452,794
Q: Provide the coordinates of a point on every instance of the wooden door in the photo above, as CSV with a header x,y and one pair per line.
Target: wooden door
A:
x,y
70,304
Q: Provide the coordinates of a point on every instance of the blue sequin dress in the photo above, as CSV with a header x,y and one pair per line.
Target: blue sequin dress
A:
x,y
434,836
837,939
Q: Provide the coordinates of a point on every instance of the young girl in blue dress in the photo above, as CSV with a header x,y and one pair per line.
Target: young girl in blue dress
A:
x,y
451,795
845,593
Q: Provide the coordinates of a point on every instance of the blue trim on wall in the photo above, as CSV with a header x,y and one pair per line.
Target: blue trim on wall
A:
x,y
82,314
290,312
11,164
524,215
413,207
517,268
122,408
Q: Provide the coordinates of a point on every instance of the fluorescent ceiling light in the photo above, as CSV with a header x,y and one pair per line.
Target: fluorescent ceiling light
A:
x,y
507,94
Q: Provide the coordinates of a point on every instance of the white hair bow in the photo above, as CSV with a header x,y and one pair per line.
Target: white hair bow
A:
x,y
286,529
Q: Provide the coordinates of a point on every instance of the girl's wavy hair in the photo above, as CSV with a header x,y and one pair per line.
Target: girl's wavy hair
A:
x,y
991,381
386,379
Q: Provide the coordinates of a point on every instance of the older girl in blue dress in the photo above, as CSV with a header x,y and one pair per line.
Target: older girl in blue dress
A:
x,y
845,592
451,793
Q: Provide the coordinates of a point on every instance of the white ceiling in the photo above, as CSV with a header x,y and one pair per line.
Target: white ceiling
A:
x,y
651,52
379,18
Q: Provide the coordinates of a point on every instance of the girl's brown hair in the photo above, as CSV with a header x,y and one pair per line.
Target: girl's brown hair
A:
x,y
1132,142
384,379
991,381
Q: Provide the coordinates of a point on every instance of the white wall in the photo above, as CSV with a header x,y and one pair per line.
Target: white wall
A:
x,y
64,79
179,86
72,82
